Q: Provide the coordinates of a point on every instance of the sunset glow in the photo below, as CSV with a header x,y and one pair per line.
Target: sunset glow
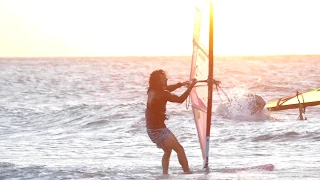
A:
x,y
154,27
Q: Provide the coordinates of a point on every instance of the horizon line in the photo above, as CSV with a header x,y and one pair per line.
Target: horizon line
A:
x,y
146,56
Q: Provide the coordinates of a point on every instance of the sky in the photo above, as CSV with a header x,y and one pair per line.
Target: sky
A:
x,y
51,28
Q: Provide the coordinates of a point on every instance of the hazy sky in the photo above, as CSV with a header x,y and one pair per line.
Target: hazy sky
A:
x,y
155,27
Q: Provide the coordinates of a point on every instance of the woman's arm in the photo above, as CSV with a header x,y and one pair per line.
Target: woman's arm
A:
x,y
180,99
173,87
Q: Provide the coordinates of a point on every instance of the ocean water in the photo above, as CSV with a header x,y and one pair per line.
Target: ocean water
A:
x,y
83,118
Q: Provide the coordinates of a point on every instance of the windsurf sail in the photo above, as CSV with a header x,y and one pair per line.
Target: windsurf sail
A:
x,y
202,70
310,98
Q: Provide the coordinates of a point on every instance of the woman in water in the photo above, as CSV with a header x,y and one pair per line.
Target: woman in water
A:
x,y
159,93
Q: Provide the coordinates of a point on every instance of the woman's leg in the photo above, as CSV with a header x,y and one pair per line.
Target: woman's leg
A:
x,y
165,160
171,142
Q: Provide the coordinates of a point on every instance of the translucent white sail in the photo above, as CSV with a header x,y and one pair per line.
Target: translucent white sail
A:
x,y
200,71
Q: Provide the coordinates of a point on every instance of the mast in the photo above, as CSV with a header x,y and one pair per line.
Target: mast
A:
x,y
210,84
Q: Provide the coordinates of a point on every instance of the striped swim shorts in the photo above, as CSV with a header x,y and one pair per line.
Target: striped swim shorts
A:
x,y
158,136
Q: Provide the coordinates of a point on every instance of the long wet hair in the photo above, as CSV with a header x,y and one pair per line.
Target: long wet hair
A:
x,y
154,80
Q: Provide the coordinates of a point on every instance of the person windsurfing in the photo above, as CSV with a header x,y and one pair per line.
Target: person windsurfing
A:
x,y
159,93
